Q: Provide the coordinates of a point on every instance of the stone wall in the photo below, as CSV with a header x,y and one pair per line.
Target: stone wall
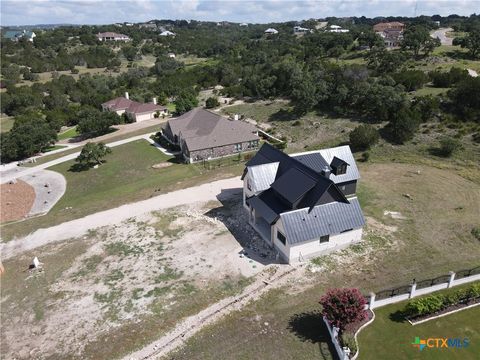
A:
x,y
219,151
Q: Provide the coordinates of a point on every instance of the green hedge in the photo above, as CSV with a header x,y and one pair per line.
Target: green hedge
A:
x,y
433,303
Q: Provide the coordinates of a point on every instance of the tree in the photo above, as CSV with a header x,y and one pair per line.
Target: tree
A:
x,y
92,154
471,42
343,306
411,79
417,38
363,137
370,38
185,102
212,102
30,135
93,122
403,125
465,98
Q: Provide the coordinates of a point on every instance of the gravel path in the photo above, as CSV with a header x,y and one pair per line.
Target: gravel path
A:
x,y
77,228
191,325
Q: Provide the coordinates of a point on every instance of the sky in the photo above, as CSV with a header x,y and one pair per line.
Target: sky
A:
x,y
30,12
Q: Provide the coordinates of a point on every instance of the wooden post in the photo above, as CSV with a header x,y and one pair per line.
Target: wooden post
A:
x,y
452,277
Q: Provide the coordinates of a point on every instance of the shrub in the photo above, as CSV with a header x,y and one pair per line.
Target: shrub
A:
x,y
473,291
343,306
363,137
476,232
349,340
448,146
212,102
426,305
365,156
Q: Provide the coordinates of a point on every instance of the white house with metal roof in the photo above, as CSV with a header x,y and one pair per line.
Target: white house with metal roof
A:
x,y
303,205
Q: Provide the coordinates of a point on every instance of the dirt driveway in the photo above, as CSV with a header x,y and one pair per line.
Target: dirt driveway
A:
x,y
77,228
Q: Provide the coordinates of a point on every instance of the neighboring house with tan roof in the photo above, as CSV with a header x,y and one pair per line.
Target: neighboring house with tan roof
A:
x,y
112,36
204,135
135,110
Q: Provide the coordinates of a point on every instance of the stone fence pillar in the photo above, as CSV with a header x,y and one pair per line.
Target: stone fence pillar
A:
x,y
412,290
372,300
452,277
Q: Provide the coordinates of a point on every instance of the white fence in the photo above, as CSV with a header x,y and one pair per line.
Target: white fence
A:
x,y
342,352
409,291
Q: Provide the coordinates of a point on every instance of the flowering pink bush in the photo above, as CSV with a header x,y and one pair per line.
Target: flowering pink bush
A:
x,y
343,306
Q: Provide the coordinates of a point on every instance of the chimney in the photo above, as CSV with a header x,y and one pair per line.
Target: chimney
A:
x,y
126,95
326,172
154,100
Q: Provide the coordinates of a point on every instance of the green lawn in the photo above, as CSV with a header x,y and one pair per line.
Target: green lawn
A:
x,y
6,123
70,133
126,176
390,337
54,147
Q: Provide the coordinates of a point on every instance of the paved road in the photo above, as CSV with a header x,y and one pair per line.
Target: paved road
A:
x,y
76,228
442,35
13,173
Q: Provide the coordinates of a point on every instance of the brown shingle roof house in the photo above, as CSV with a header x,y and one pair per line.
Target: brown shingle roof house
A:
x,y
135,110
204,135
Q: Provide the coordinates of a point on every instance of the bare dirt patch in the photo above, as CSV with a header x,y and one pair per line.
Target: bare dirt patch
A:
x,y
120,286
162,165
16,200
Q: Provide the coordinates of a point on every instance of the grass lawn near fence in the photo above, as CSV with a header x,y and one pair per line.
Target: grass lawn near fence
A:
x,y
390,336
126,176
70,133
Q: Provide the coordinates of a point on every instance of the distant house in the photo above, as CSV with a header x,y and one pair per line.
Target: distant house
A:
x,y
204,135
395,25
243,24
167,33
148,25
391,32
303,205
337,29
15,35
135,110
171,55
271,31
300,30
112,36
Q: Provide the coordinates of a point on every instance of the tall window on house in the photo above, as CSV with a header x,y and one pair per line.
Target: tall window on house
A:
x,y
238,147
249,187
324,239
281,238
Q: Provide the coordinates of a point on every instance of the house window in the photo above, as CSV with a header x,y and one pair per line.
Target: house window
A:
x,y
324,239
249,187
281,238
238,147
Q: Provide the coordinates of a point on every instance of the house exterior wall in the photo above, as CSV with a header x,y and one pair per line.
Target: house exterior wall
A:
x,y
216,152
348,188
296,252
143,117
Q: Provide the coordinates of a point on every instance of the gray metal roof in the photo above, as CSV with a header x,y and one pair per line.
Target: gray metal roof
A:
x,y
262,176
328,219
316,160
344,153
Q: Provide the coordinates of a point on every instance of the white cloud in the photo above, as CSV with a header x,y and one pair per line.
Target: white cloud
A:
x,y
262,11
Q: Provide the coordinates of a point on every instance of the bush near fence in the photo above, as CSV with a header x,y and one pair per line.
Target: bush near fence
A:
x,y
434,303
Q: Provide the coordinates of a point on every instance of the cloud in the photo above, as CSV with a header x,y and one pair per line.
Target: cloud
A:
x,y
22,12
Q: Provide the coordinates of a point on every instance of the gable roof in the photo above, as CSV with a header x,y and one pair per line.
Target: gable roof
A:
x,y
262,176
119,103
296,185
202,129
332,218
130,106
319,159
